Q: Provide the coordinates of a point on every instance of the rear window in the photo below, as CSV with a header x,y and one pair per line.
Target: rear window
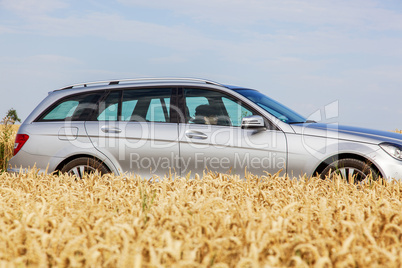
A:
x,y
76,108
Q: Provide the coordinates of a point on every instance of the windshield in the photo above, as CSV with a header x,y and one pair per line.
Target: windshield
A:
x,y
273,107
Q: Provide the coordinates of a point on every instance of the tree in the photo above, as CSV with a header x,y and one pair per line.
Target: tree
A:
x,y
12,116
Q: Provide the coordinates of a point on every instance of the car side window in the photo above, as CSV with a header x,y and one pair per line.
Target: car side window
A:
x,y
158,110
62,111
192,103
146,105
235,111
76,108
137,105
215,108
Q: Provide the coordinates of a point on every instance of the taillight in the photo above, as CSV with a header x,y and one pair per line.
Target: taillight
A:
x,y
20,140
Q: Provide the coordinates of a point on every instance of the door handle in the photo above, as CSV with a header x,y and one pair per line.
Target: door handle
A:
x,y
196,135
110,129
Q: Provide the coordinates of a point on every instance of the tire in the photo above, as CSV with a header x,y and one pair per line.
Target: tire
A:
x,y
350,168
84,165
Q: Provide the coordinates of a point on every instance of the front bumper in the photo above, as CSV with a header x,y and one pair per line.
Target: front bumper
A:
x,y
389,167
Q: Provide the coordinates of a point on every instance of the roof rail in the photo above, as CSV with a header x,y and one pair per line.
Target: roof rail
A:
x,y
116,82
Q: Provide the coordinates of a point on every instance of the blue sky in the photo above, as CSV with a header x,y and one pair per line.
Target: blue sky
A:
x,y
308,55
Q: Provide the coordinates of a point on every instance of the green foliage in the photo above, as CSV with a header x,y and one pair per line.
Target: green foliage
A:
x,y
12,116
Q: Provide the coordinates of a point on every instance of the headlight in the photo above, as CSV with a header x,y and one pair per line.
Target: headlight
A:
x,y
392,149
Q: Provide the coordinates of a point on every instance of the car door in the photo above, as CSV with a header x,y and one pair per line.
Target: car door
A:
x,y
220,144
136,130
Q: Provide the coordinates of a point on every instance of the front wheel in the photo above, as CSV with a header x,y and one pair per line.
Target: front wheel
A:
x,y
350,170
84,165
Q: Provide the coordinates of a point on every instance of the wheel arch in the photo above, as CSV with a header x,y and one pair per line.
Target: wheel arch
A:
x,y
320,168
71,158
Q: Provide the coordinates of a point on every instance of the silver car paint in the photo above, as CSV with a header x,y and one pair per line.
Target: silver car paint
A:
x,y
220,148
46,149
314,143
149,149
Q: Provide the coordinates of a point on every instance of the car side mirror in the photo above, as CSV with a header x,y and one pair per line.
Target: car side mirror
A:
x,y
253,122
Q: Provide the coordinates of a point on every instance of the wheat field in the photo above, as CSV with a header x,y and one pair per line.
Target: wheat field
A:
x,y
7,137
217,221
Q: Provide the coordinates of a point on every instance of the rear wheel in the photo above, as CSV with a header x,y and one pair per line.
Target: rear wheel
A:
x,y
84,165
350,170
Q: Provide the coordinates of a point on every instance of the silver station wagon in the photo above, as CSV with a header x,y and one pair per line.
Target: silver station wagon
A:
x,y
161,126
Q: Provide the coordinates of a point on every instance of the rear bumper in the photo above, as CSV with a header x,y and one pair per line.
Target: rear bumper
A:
x,y
24,170
23,161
